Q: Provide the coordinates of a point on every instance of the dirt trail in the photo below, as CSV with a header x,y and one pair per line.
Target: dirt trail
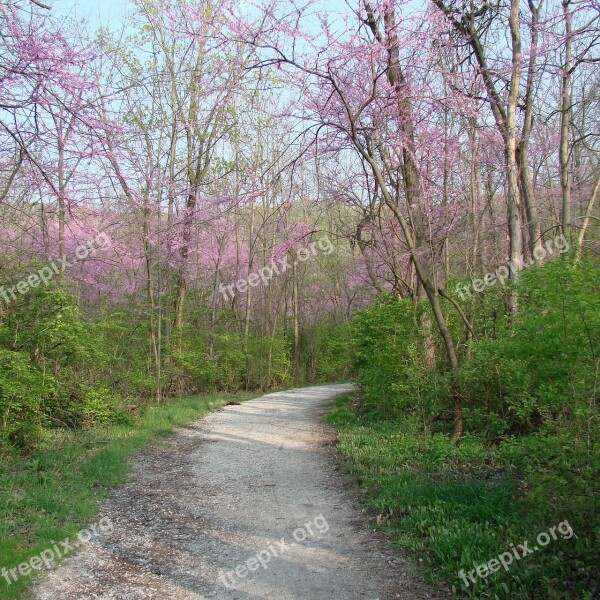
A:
x,y
252,487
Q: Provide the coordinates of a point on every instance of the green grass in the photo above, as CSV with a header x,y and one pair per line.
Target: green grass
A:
x,y
54,492
455,508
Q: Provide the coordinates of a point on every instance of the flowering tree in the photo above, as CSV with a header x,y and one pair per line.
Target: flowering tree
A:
x,y
361,94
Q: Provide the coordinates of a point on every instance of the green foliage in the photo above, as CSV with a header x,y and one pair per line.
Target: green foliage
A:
x,y
23,393
268,363
455,507
332,352
97,406
326,352
120,345
224,370
529,460
541,365
46,324
63,367
391,361
521,372
258,363
51,369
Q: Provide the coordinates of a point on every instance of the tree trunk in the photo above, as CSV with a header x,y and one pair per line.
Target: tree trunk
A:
x,y
587,218
528,193
565,124
296,310
512,167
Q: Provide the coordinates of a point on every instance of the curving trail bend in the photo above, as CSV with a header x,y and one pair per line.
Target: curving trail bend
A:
x,y
245,504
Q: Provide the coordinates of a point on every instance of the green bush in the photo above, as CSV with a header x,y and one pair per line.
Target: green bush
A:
x,y
269,363
23,393
332,353
530,385
391,362
543,364
97,406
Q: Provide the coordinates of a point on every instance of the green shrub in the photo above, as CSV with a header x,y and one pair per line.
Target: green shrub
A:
x,y
541,365
23,393
97,406
269,363
391,362
327,351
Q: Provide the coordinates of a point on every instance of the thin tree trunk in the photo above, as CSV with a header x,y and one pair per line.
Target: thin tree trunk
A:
x,y
531,211
62,211
296,310
248,309
565,124
512,167
213,313
149,282
474,192
446,242
170,212
587,218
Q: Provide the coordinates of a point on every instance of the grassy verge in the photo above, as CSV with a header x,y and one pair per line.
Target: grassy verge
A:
x,y
50,495
456,508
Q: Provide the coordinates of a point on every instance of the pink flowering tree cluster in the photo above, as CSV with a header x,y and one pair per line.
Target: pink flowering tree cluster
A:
x,y
209,139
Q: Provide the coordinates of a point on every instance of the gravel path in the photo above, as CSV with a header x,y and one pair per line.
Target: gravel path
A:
x,y
245,504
